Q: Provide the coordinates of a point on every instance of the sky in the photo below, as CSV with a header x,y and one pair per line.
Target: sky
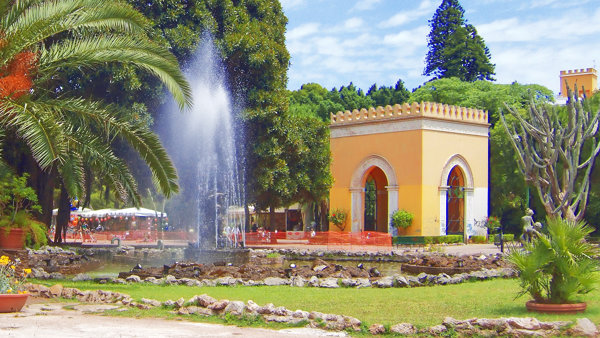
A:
x,y
335,42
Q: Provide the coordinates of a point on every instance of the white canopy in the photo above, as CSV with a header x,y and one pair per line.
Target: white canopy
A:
x,y
141,212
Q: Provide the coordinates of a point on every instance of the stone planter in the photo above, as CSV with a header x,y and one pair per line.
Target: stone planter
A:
x,y
12,303
532,306
13,240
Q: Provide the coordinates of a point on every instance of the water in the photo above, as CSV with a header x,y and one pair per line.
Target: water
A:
x,y
202,143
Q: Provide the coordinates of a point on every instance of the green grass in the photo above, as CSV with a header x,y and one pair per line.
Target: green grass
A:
x,y
424,306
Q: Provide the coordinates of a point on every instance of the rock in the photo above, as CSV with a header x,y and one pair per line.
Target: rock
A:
x,y
56,275
179,303
151,302
219,305
384,282
422,277
527,323
275,281
80,277
297,281
377,329
331,283
313,281
205,300
235,308
55,290
226,281
133,279
300,314
319,268
437,330
491,324
170,279
402,282
266,309
252,307
169,303
584,327
404,328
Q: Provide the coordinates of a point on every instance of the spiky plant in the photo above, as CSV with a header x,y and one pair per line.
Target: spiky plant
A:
x,y
39,39
559,265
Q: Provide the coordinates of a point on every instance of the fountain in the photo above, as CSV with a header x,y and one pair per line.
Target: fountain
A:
x,y
202,143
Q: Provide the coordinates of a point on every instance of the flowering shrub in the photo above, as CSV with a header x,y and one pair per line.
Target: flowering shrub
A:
x,y
338,218
492,223
11,280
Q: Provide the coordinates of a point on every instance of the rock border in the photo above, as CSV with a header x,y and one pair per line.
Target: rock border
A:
x,y
205,305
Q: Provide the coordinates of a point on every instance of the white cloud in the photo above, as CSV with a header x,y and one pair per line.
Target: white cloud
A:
x,y
363,5
354,24
303,31
288,4
426,7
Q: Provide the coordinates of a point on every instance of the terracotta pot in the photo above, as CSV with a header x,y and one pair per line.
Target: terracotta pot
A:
x,y
555,308
13,240
12,303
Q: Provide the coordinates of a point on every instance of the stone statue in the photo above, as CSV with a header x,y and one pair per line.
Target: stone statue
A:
x,y
530,228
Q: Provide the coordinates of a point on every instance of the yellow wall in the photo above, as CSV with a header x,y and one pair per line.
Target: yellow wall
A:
x,y
401,149
584,79
438,148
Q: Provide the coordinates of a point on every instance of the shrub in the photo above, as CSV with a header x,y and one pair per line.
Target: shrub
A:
x,y
505,237
559,265
402,219
338,218
478,239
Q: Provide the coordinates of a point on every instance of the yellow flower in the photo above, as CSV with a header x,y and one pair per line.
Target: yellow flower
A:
x,y
12,267
27,271
4,260
9,291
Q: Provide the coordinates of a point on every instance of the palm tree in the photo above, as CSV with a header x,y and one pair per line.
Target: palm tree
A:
x,y
39,39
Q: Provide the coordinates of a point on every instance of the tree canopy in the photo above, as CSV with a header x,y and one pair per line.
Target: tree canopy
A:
x,y
455,48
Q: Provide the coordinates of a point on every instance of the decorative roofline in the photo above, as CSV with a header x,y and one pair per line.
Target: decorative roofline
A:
x,y
578,71
424,109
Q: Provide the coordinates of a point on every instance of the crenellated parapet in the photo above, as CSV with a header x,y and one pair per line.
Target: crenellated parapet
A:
x,y
578,71
407,111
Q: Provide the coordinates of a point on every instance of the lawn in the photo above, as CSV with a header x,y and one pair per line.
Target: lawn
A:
x,y
424,306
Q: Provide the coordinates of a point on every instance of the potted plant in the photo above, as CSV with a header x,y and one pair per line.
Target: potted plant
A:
x,y
338,218
17,228
402,219
557,267
12,296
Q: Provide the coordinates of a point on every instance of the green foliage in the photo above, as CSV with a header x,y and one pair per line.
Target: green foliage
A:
x,y
558,266
505,237
312,99
455,48
338,217
402,219
478,239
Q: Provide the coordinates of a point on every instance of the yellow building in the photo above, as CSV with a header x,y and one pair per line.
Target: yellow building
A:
x,y
582,78
430,159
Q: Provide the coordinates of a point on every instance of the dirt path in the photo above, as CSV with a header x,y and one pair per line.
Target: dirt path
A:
x,y
67,320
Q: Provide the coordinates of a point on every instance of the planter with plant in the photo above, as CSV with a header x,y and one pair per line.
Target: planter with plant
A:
x,y
402,219
12,296
17,227
557,267
338,218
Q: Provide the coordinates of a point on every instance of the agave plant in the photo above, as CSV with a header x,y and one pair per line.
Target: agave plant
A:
x,y
558,265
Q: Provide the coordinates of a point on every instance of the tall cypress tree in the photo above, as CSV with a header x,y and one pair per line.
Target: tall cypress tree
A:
x,y
455,48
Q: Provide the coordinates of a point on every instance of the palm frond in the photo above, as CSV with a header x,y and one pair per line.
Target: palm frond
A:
x,y
140,53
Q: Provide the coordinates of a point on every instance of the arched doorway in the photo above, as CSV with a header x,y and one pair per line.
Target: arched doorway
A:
x,y
375,201
455,202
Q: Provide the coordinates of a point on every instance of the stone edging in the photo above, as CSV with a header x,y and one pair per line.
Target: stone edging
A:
x,y
204,305
397,280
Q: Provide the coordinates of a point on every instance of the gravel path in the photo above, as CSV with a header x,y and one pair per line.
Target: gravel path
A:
x,y
50,320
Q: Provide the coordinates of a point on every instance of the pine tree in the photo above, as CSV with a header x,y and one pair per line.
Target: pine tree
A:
x,y
455,48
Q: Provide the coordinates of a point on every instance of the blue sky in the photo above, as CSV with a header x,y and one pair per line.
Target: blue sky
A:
x,y
333,42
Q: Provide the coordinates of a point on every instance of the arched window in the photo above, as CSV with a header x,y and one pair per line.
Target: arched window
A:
x,y
455,202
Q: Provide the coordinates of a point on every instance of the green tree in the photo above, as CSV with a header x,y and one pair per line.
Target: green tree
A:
x,y
455,48
313,100
41,41
384,96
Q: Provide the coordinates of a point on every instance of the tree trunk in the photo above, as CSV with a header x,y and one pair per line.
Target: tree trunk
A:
x,y
271,218
324,213
64,213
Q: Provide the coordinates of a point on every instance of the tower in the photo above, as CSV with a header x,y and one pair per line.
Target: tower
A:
x,y
584,79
